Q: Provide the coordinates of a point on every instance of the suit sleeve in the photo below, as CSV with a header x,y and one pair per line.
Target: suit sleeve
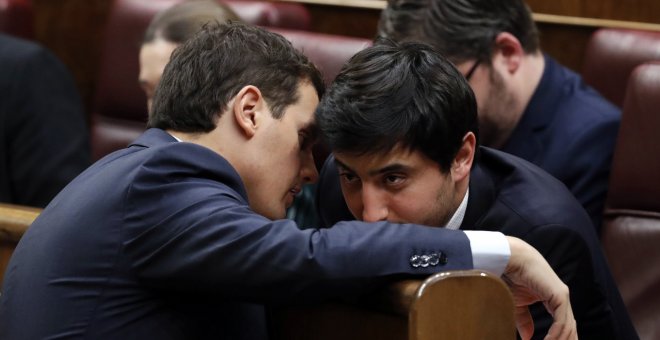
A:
x,y
202,236
49,143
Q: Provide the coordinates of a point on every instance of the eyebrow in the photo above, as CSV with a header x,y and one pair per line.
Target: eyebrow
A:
x,y
313,131
396,167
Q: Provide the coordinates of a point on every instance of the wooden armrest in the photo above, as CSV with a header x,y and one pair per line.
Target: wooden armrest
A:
x,y
451,305
14,221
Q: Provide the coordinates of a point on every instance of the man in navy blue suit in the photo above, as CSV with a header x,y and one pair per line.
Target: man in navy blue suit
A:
x,y
181,235
529,105
402,125
44,142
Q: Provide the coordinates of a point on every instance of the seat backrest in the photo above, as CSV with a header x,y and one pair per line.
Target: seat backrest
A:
x,y
631,229
327,51
450,305
612,54
443,303
17,18
119,111
272,14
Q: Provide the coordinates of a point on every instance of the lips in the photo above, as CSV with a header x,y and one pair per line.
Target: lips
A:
x,y
293,193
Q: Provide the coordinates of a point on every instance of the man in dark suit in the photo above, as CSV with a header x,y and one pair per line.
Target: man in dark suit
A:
x,y
181,235
44,141
529,105
402,125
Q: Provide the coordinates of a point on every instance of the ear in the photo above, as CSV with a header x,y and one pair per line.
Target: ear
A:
x,y
462,164
508,52
246,108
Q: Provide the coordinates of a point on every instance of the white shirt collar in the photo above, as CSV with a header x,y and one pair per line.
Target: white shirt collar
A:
x,y
457,219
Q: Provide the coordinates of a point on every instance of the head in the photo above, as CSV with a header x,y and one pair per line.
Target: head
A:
x,y
169,29
402,124
257,111
491,38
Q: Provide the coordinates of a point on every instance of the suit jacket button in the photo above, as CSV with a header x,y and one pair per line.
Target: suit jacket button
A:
x,y
434,259
415,261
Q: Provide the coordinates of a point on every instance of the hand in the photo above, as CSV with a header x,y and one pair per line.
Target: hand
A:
x,y
531,279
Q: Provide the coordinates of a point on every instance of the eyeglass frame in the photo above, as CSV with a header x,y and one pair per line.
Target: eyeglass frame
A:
x,y
470,72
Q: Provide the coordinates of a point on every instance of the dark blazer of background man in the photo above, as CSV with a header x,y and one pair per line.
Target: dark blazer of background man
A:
x,y
181,236
529,105
402,125
44,140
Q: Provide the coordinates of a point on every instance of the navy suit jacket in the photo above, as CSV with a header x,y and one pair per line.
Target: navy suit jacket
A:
x,y
515,197
157,241
569,130
44,141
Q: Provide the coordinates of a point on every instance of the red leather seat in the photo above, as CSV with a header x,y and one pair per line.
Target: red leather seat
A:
x,y
17,18
272,14
611,56
328,52
631,229
119,111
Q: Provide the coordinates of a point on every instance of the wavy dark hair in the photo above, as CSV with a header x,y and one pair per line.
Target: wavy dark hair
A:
x,y
398,94
211,68
459,29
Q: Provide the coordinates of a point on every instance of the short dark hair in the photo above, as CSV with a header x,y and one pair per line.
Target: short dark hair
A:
x,y
459,29
398,94
211,68
180,22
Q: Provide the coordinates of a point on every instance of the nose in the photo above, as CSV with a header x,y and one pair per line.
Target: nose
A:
x,y
374,207
308,171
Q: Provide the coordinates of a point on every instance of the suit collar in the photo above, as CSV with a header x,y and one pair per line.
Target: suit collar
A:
x,y
153,137
482,196
204,160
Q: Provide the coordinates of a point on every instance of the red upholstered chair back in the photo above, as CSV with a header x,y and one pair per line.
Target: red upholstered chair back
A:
x,y
631,231
611,56
328,52
17,18
119,112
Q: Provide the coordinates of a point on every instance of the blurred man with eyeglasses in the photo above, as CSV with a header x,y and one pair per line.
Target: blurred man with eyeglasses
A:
x,y
529,105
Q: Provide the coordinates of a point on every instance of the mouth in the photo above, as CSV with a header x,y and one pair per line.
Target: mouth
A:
x,y
293,192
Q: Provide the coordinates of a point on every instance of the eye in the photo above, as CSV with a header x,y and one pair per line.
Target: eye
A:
x,y
304,140
394,180
348,177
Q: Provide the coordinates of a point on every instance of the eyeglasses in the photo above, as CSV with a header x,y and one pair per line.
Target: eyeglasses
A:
x,y
469,73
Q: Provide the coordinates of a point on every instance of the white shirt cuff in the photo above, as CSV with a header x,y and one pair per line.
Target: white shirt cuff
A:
x,y
490,250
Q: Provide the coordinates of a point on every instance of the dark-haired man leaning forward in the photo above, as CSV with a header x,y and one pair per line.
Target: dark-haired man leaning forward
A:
x,y
181,235
402,124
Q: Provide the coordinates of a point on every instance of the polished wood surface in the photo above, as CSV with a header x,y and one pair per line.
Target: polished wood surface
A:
x,y
465,305
14,221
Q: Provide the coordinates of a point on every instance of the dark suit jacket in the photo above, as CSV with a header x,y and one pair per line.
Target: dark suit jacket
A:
x,y
44,141
157,241
569,130
511,195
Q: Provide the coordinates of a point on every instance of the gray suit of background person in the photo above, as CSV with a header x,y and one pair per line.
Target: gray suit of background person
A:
x,y
181,235
44,139
529,105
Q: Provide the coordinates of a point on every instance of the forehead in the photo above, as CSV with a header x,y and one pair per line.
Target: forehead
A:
x,y
399,157
156,54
